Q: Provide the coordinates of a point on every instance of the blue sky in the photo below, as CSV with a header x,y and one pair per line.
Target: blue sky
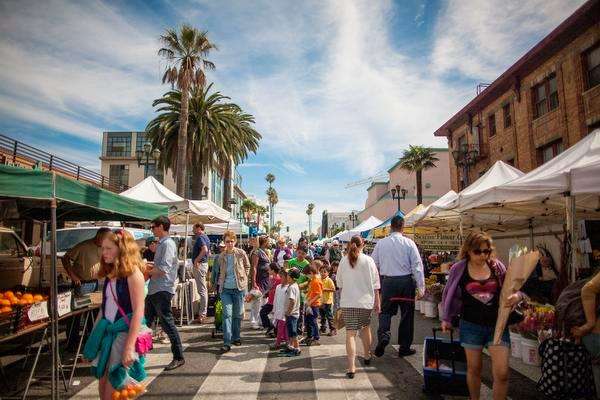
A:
x,y
338,88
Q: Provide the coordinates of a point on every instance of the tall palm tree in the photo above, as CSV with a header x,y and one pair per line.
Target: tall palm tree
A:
x,y
260,211
278,227
219,132
185,52
272,198
270,178
309,212
418,159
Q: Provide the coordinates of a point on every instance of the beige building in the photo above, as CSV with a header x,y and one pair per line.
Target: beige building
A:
x,y
125,164
436,183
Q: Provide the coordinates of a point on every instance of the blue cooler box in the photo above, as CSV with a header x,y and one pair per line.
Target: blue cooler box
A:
x,y
444,366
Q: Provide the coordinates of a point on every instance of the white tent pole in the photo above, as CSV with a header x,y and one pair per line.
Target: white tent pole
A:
x,y
571,227
185,242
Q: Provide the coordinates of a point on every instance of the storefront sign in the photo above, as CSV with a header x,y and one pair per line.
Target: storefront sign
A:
x,y
438,242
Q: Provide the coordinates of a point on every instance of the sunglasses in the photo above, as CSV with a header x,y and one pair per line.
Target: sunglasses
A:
x,y
478,252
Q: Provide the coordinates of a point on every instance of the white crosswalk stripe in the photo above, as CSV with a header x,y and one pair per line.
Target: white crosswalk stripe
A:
x,y
237,374
330,379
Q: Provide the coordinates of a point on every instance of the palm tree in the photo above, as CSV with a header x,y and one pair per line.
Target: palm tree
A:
x,y
185,52
260,211
417,159
218,133
270,178
272,198
248,207
309,211
278,227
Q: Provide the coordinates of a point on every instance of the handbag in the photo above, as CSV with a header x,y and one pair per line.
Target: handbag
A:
x,y
566,370
143,342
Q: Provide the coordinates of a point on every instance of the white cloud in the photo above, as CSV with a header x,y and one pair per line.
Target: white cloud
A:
x,y
480,39
293,167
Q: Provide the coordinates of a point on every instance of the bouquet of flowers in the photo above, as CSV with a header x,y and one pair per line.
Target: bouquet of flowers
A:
x,y
521,265
433,292
538,321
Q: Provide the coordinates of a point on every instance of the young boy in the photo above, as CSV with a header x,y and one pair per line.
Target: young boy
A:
x,y
326,309
279,310
313,302
266,309
292,313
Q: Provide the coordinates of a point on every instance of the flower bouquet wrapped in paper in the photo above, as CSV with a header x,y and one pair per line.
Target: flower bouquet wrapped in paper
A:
x,y
521,265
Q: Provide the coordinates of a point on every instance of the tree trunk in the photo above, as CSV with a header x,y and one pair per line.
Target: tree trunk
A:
x,y
419,187
197,184
182,143
227,189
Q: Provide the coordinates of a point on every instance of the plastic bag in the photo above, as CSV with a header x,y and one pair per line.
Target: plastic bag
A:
x,y
131,389
253,295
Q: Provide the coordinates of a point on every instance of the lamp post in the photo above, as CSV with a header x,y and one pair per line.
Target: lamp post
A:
x,y
147,157
353,217
398,193
465,156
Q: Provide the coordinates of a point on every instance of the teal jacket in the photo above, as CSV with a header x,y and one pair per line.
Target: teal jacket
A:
x,y
99,346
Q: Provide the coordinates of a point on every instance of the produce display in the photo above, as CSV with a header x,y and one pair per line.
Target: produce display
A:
x,y
10,300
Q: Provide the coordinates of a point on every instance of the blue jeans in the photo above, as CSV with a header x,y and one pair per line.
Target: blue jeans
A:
x,y
311,323
233,311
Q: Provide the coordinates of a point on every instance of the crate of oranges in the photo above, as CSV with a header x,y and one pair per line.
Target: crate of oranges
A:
x,y
26,309
129,391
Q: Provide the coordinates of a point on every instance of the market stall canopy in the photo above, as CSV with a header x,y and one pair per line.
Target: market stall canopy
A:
x,y
575,170
433,209
24,193
485,189
214,229
383,229
364,226
204,211
151,190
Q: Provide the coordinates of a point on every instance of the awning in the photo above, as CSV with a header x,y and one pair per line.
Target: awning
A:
x,y
31,190
364,226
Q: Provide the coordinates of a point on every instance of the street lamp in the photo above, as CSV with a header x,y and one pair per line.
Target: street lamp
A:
x,y
398,193
353,217
465,156
147,157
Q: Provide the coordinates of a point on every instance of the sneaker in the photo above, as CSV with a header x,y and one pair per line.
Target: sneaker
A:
x,y
323,330
164,340
285,349
307,342
225,348
293,353
237,342
174,364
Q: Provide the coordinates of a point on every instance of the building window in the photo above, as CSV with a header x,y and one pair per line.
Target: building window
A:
x,y
506,115
140,141
118,145
492,124
549,151
216,192
118,175
545,96
592,66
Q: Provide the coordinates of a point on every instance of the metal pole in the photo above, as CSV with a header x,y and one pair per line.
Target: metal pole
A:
x,y
572,229
54,300
531,241
187,221
43,252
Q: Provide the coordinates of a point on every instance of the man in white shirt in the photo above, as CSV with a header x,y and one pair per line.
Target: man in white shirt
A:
x,y
401,271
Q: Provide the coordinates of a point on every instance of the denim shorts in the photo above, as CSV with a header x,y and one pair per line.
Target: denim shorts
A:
x,y
591,342
475,336
291,324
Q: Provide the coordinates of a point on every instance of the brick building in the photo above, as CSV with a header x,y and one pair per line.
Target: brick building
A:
x,y
547,101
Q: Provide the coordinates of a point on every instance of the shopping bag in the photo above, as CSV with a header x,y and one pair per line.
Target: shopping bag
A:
x,y
338,320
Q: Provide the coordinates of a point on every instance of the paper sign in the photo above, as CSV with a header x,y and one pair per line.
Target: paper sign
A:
x,y
38,311
64,303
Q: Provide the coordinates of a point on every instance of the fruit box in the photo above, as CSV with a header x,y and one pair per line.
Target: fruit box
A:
x,y
31,314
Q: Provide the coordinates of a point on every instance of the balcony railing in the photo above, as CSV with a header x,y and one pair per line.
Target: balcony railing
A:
x,y
23,155
470,153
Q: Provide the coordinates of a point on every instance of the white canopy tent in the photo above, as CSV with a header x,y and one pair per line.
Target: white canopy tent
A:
x,y
215,229
364,226
184,211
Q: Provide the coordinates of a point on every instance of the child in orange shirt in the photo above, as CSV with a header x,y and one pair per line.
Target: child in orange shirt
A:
x,y
313,303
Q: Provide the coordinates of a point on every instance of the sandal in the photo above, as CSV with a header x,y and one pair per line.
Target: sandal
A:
x,y
367,361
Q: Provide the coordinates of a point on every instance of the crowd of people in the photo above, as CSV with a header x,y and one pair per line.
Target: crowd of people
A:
x,y
296,294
